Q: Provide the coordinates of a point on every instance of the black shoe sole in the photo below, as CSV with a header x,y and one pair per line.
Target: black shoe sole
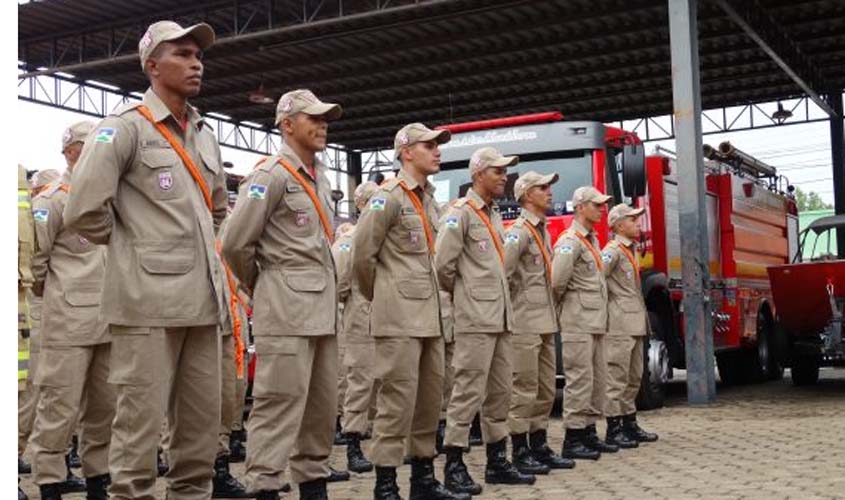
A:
x,y
510,481
360,470
534,472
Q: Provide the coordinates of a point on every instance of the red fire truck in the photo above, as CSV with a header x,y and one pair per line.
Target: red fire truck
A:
x,y
751,224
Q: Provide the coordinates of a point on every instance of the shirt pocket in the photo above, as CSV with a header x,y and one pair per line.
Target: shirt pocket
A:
x,y
301,219
411,234
480,243
160,176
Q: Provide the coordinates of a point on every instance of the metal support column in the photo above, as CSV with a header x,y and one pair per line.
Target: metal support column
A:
x,y
354,176
837,151
686,94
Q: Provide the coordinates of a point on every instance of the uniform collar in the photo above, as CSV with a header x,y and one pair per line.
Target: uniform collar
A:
x,y
478,200
576,226
628,243
412,184
160,111
290,155
534,219
65,178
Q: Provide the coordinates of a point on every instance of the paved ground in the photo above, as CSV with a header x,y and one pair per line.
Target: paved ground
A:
x,y
770,441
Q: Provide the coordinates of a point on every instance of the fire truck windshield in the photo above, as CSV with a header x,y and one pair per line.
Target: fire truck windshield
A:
x,y
574,169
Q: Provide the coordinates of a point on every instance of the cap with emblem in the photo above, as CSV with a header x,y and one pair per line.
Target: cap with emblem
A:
x,y
588,193
304,101
417,132
530,179
76,133
42,178
489,157
621,211
364,192
167,31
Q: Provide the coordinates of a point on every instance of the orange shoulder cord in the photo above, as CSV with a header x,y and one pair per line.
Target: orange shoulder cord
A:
x,y
596,254
631,259
65,188
542,249
311,194
429,237
186,159
233,312
493,233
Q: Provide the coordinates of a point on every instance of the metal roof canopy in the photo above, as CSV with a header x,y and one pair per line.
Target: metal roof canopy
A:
x,y
390,62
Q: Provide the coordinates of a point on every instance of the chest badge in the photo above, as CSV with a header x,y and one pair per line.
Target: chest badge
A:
x,y
82,241
165,181
414,237
301,218
482,246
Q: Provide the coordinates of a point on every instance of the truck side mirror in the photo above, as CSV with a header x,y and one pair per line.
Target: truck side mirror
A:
x,y
633,170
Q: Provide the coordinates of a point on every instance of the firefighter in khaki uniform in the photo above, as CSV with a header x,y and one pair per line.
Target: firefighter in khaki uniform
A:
x,y
627,328
278,245
150,184
28,398
470,265
392,262
528,264
27,247
75,346
581,298
359,394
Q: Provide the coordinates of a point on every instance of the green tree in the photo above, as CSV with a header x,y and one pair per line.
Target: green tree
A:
x,y
810,200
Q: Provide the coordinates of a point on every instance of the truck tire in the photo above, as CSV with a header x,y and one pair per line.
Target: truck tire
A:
x,y
764,358
652,392
805,370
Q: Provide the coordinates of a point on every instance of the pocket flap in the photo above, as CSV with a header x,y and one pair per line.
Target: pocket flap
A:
x,y
536,295
590,300
159,157
276,345
629,305
479,233
485,292
306,281
174,262
416,289
82,299
210,161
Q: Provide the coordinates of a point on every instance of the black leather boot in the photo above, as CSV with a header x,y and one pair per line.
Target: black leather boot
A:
x,y
355,459
336,476
71,484
386,487
73,455
23,466
633,431
499,470
51,491
267,495
313,490
475,437
523,460
592,440
616,434
339,436
543,454
237,447
574,447
440,436
97,487
455,473
424,486
224,483
161,465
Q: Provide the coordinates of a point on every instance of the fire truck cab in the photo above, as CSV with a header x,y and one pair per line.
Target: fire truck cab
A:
x,y
750,225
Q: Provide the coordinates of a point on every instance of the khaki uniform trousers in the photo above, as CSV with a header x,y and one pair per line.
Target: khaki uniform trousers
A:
x,y
229,404
483,380
28,398
341,373
624,373
411,373
157,370
240,390
293,410
359,400
448,379
585,368
533,383
72,387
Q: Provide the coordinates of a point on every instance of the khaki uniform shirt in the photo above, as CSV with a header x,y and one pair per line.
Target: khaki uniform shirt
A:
x,y
625,308
26,249
530,285
469,267
392,263
578,283
69,270
276,247
356,309
132,192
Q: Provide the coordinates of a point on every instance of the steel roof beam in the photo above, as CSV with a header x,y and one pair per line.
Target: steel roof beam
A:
x,y
776,42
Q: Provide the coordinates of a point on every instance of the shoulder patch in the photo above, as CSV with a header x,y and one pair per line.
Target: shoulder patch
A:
x,y
511,237
257,191
564,248
105,135
606,256
41,214
451,222
345,247
378,203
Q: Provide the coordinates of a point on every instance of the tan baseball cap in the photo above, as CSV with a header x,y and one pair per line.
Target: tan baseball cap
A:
x,y
76,133
588,193
530,179
167,31
364,192
621,211
490,157
417,132
304,101
41,178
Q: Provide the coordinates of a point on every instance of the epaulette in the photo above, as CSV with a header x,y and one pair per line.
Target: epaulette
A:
x,y
460,202
266,164
125,108
390,184
520,222
50,190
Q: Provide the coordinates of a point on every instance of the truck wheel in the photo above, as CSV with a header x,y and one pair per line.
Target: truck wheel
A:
x,y
805,370
762,358
656,371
